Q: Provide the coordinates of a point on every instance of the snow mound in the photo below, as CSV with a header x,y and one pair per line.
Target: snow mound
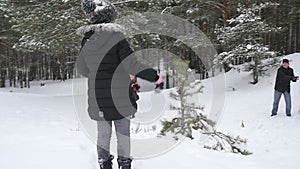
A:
x,y
40,129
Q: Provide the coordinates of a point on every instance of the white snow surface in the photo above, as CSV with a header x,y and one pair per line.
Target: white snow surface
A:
x,y
40,130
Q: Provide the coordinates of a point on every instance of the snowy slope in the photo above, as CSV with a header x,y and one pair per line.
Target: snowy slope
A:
x,y
40,129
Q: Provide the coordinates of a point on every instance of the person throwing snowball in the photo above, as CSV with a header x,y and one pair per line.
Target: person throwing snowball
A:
x,y
285,75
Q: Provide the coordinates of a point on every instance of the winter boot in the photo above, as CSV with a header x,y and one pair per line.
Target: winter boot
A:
x,y
106,164
124,163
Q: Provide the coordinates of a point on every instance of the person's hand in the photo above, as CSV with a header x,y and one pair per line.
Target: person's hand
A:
x,y
295,78
159,84
160,80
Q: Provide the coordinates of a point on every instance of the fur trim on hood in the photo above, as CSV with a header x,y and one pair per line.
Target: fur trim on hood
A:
x,y
103,27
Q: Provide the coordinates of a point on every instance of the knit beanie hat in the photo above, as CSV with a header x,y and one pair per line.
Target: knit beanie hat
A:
x,y
99,11
285,61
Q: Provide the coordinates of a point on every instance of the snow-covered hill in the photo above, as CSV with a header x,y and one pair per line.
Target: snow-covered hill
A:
x,y
40,129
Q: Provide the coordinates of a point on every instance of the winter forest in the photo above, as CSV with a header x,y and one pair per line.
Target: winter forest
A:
x,y
189,112
38,38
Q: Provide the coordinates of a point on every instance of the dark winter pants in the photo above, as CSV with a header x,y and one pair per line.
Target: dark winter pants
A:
x,y
123,138
287,98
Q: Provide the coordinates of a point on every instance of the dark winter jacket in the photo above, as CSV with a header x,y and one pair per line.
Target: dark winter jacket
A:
x,y
283,79
107,60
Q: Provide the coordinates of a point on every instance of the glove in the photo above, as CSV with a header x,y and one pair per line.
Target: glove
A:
x,y
159,84
295,78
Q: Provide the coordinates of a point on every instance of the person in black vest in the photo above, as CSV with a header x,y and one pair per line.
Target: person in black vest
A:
x,y
107,60
285,75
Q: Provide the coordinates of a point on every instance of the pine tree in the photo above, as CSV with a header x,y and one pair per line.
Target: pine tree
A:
x,y
7,39
243,40
47,26
190,116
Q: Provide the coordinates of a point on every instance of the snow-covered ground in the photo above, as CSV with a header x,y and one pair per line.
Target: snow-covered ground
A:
x,y
39,128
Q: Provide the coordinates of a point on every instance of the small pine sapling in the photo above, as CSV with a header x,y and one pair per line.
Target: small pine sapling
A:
x,y
190,116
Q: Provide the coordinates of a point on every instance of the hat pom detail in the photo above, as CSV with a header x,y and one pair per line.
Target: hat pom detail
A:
x,y
99,11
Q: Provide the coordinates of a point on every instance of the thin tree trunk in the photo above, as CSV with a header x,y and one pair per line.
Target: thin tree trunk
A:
x,y
226,12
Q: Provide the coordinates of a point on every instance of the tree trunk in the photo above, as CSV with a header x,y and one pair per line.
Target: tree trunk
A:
x,y
255,71
226,12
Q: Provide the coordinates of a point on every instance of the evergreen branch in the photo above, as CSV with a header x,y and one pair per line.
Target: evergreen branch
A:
x,y
125,2
224,140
